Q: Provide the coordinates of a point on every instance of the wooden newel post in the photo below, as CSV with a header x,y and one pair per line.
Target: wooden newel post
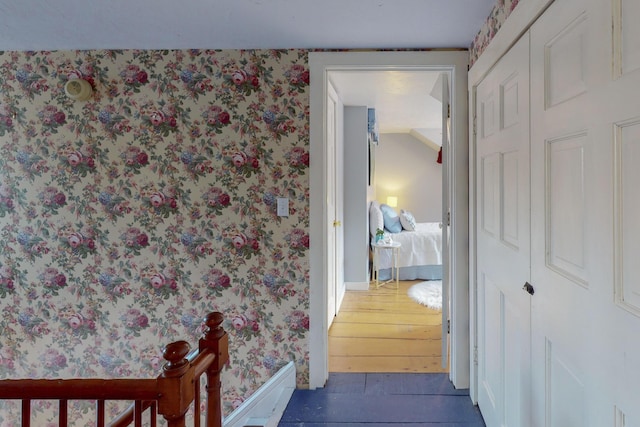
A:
x,y
215,339
175,384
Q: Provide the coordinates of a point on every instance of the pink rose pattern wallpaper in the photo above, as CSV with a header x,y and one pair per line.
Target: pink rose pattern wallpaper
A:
x,y
500,12
126,218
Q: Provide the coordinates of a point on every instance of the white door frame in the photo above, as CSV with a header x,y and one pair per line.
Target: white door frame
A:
x,y
518,22
455,62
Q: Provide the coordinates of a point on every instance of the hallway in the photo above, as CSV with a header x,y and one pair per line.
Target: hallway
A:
x,y
378,399
384,369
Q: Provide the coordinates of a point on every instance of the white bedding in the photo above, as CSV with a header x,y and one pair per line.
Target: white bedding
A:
x,y
420,247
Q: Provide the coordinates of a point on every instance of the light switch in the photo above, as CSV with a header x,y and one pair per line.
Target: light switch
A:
x,y
283,206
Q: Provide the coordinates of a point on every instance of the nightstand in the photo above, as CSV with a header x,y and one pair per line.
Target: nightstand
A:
x,y
394,247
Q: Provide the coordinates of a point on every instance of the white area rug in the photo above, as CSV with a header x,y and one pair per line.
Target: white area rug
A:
x,y
427,293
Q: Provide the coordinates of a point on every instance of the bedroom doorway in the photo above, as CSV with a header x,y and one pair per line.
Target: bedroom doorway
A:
x,y
383,330
455,64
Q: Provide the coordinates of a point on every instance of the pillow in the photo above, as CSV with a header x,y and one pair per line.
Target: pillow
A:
x,y
391,219
407,220
375,218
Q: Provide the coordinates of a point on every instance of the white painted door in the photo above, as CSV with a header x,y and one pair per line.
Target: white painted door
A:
x,y
331,205
339,204
503,258
585,161
446,215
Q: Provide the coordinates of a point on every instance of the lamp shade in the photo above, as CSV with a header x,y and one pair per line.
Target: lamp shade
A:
x,y
392,201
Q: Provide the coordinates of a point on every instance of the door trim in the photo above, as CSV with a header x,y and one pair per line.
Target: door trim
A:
x,y
455,62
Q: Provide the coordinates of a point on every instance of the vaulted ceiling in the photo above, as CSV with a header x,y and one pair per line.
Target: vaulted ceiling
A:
x,y
405,101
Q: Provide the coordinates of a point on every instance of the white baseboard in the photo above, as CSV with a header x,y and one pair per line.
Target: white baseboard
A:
x,y
357,286
341,292
266,406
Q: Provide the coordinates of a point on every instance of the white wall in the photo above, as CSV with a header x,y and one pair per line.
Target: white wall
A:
x,y
407,168
356,207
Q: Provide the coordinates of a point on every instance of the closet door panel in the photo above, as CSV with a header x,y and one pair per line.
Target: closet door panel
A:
x,y
491,340
626,34
585,158
560,145
502,179
565,60
490,194
628,208
510,204
566,210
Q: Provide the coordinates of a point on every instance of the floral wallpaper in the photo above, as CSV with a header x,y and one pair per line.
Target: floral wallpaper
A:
x,y
126,218
500,12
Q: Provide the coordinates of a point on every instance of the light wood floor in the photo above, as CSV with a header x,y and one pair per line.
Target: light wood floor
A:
x,y
383,330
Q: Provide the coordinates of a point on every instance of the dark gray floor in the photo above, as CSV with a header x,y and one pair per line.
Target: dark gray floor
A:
x,y
362,400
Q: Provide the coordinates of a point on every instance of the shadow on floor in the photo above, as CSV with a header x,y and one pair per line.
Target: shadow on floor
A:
x,y
351,400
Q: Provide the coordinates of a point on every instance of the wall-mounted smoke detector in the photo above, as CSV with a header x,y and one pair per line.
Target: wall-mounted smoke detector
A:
x,y
78,89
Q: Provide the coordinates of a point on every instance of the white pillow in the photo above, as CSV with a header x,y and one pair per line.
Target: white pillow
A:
x,y
375,218
407,220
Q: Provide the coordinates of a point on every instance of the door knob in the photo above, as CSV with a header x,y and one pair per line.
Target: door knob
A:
x,y
527,287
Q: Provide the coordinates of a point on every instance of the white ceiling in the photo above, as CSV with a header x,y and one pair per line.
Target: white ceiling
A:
x,y
239,24
255,24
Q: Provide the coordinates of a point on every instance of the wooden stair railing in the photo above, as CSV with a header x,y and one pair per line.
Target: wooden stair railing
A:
x,y
171,394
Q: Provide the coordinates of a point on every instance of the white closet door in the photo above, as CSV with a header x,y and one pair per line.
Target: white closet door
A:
x,y
585,163
503,240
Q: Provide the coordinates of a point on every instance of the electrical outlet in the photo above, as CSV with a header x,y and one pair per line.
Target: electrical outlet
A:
x,y
283,206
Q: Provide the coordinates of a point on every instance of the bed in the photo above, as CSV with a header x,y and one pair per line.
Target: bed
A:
x,y
420,256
